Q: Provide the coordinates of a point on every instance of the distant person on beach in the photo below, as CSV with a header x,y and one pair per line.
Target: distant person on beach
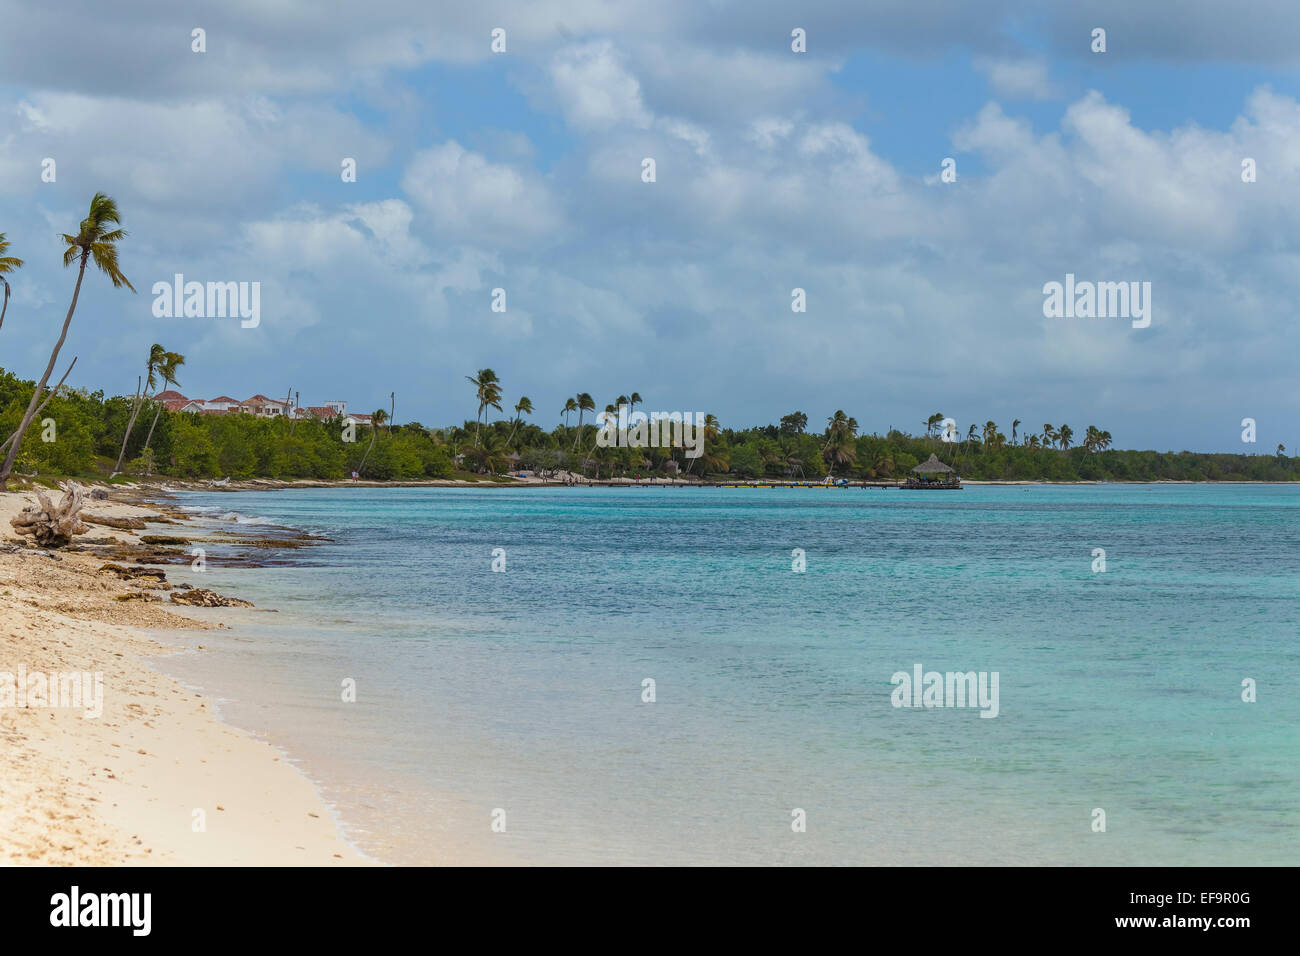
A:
x,y
355,476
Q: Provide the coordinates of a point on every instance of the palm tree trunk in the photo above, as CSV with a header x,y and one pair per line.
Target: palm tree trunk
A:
x,y
7,468
135,410
149,437
49,394
5,308
373,429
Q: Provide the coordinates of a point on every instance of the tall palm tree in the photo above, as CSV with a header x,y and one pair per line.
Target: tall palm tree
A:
x,y
585,404
569,406
932,423
632,401
487,388
93,241
8,264
990,429
1049,436
156,356
1064,436
523,407
171,363
1014,425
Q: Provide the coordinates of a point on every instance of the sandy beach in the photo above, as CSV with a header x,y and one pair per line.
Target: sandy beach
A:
x,y
156,778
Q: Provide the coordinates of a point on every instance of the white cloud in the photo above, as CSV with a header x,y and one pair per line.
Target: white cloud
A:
x,y
595,89
1024,79
472,199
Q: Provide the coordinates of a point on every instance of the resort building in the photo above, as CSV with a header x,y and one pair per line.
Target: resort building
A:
x,y
260,406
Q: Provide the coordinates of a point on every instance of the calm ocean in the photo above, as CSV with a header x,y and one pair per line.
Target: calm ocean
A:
x,y
522,690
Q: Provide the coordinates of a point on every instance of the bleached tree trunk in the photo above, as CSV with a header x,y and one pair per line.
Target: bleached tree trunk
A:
x,y
135,410
51,525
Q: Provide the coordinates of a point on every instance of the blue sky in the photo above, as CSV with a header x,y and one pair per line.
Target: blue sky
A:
x,y
775,170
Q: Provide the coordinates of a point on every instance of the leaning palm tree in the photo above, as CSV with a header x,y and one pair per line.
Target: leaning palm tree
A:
x,y
167,368
93,241
377,419
487,388
156,355
569,406
1014,425
523,407
8,264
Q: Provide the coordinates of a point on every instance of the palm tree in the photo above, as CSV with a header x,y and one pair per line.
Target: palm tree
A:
x,y
1280,449
93,241
1014,425
632,401
711,432
523,407
585,404
837,426
840,432
990,429
156,355
971,433
7,264
167,368
487,388
1032,442
1049,436
377,419
1063,437
569,406
931,423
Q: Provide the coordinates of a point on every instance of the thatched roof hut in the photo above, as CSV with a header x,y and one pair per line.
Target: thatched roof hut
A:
x,y
932,466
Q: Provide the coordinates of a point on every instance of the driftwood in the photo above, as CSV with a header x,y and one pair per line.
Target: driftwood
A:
x,y
50,525
123,524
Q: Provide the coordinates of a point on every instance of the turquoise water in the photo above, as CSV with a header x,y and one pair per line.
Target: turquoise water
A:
x,y
522,690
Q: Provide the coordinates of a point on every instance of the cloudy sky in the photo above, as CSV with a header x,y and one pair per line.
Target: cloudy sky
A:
x,y
775,170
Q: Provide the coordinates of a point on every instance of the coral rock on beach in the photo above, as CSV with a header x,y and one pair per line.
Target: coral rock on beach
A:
x,y
202,597
131,573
